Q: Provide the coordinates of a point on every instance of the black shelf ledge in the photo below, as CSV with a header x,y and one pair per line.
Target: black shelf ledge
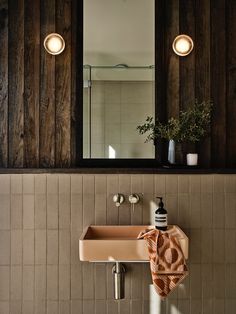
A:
x,y
91,170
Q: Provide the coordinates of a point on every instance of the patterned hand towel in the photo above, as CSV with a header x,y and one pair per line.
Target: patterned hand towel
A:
x,y
167,262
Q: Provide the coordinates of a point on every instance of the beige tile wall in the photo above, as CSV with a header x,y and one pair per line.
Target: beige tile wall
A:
x,y
42,217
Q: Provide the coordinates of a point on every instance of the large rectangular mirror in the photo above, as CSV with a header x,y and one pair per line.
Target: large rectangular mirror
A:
x,y
118,76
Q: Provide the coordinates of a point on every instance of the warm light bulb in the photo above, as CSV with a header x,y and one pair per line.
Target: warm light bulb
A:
x,y
54,44
182,45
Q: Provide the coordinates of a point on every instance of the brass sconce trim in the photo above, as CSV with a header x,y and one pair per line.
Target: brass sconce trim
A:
x,y
56,49
183,45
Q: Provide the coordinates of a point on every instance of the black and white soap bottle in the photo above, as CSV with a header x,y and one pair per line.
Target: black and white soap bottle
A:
x,y
161,216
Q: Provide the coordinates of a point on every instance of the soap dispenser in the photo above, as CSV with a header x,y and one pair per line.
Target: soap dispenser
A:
x,y
161,216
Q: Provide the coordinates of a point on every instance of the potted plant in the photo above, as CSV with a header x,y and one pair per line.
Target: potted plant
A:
x,y
191,126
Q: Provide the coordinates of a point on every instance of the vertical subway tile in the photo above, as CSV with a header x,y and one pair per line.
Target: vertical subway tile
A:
x,y
5,184
136,281
88,184
40,306
112,211
136,183
28,184
218,210
27,307
4,211
52,211
15,307
28,282
230,281
76,281
16,211
195,247
218,280
184,210
230,305
183,184
124,307
148,183
171,184
52,307
230,183
5,241
28,247
230,246
4,307
64,184
159,184
77,307
28,211
218,184
207,245
88,280
64,307
206,211
137,214
148,209
172,207
100,209
230,210
40,183
100,274
52,282
195,184
40,247
64,282
195,210
16,184
76,184
16,283
184,306
52,246
16,247
40,282
112,307
218,245
136,307
184,289
195,281
88,307
75,235
64,246
40,211
112,184
76,211
207,184
100,184
124,213
64,210
88,209
207,280
52,184
124,184
146,280
219,306
101,306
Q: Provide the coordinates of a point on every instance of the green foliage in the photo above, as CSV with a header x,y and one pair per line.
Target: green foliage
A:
x,y
191,126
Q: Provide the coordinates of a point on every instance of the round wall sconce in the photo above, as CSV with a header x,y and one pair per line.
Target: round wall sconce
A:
x,y
182,45
54,44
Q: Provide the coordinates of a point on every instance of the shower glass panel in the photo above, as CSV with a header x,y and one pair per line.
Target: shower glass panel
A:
x,y
116,100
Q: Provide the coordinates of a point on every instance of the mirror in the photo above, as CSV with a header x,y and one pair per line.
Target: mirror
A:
x,y
118,77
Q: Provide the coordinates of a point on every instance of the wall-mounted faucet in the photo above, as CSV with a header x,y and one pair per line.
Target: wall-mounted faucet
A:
x,y
118,199
134,198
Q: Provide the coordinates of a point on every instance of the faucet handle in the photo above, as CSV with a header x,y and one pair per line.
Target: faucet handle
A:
x,y
118,199
134,198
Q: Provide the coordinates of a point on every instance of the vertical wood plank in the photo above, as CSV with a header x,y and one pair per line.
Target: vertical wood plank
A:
x,y
63,85
16,83
187,65
31,83
218,85
4,83
47,88
231,87
202,69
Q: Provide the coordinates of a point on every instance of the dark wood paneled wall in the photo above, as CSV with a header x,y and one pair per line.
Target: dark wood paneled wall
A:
x,y
39,115
208,73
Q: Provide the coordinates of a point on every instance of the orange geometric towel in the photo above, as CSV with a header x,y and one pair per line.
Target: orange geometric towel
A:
x,y
167,262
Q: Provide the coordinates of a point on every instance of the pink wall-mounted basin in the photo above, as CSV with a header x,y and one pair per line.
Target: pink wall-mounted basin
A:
x,y
120,243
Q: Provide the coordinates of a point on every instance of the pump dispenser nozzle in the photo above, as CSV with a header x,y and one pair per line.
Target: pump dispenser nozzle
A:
x,y
161,215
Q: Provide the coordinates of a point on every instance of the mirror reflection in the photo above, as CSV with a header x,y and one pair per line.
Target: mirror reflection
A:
x,y
119,80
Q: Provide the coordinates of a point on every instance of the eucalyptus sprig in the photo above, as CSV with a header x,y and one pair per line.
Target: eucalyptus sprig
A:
x,y
191,125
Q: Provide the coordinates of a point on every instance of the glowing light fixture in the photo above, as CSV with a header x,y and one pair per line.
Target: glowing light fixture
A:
x,y
54,44
182,45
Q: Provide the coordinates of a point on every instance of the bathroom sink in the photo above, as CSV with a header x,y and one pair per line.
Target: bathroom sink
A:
x,y
120,243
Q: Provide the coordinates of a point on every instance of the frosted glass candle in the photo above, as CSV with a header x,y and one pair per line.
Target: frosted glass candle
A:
x,y
192,159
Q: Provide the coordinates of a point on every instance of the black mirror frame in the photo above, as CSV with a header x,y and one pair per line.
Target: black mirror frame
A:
x,y
159,97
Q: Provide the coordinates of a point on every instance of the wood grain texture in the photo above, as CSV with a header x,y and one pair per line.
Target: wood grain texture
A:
x,y
202,70
63,86
231,84
4,83
31,83
16,83
218,83
47,90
